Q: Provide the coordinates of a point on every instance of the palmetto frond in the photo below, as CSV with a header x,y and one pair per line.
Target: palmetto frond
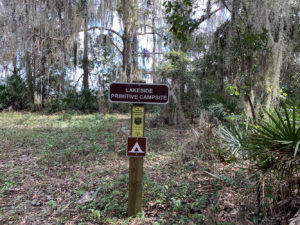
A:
x,y
275,142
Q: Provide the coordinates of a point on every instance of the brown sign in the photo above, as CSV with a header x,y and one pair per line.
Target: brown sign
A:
x,y
138,93
136,146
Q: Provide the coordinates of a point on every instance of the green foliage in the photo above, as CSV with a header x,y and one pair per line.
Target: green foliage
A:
x,y
233,90
113,198
178,64
7,185
236,59
275,143
56,104
96,214
179,16
223,109
217,109
291,83
234,138
155,140
66,138
177,68
13,94
272,145
52,203
178,195
252,40
155,116
3,97
219,102
85,100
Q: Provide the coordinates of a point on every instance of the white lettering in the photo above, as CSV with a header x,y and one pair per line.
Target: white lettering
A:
x,y
139,90
139,97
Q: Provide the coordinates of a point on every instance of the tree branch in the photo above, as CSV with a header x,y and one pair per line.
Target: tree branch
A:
x,y
150,26
206,16
69,35
150,53
149,33
119,50
226,6
107,29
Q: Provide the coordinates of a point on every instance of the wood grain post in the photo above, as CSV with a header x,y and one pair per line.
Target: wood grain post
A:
x,y
136,175
135,196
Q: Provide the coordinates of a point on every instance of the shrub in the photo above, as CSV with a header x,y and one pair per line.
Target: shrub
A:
x,y
3,97
275,142
233,138
56,104
13,94
85,100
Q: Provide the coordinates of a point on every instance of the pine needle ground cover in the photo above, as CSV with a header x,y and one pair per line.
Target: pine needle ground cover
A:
x,y
72,169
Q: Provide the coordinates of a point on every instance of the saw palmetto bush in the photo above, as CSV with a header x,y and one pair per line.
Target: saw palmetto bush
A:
x,y
233,138
271,149
275,141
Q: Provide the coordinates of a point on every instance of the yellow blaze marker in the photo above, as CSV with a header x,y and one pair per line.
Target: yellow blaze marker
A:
x,y
137,121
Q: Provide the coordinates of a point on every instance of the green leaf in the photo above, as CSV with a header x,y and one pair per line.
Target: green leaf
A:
x,y
288,119
296,149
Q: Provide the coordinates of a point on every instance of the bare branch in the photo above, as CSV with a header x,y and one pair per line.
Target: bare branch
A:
x,y
226,6
107,29
114,44
149,33
206,16
151,53
69,35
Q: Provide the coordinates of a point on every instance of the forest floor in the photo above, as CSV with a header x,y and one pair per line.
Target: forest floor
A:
x,y
72,169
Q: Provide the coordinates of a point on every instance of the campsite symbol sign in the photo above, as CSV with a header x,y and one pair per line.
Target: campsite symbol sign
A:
x,y
136,146
138,94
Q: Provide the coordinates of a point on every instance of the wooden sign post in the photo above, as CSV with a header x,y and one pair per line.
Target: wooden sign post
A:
x,y
136,173
138,94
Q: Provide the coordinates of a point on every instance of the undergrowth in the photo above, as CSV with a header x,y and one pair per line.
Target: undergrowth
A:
x,y
71,168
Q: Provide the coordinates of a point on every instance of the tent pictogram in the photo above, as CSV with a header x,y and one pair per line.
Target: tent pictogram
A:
x,y
136,149
136,146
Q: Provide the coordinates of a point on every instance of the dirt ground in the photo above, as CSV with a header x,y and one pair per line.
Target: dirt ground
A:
x,y
72,169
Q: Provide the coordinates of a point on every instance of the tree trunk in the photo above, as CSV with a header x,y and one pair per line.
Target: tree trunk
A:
x,y
28,64
176,115
126,53
126,58
135,73
63,70
85,61
130,41
15,68
249,106
154,48
35,67
276,44
43,79
261,68
101,100
75,55
273,77
134,43
29,78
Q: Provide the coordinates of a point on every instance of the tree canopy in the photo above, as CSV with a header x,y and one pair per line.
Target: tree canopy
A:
x,y
248,50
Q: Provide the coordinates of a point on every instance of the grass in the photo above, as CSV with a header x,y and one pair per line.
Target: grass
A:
x,y
49,163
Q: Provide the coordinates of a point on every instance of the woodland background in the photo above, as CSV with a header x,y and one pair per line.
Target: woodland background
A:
x,y
233,67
